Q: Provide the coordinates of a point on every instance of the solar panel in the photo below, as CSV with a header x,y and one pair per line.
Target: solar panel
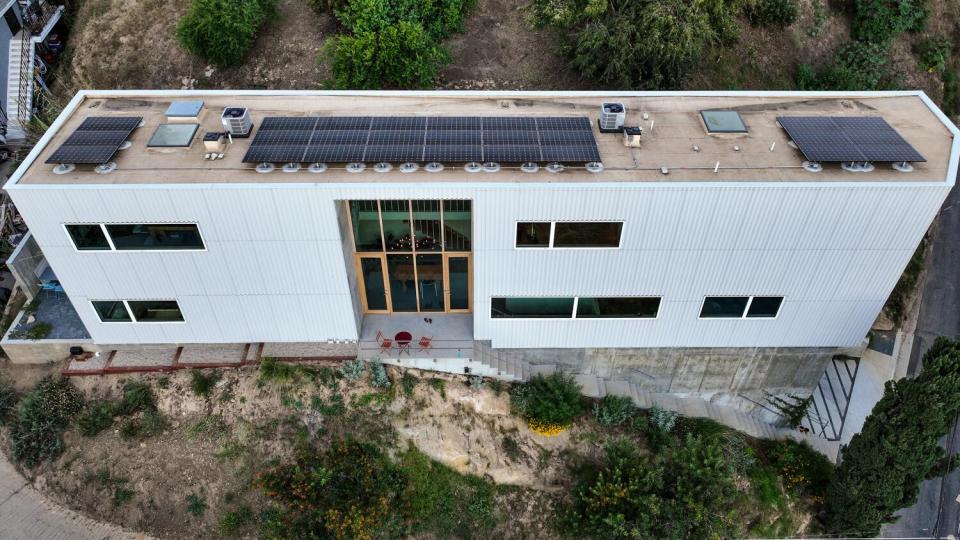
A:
x,y
452,136
502,136
567,139
512,153
841,138
570,153
453,152
336,153
96,140
394,153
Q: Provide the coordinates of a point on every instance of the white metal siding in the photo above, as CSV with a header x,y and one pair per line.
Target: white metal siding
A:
x,y
274,266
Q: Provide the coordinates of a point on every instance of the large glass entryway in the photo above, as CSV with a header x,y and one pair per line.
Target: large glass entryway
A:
x,y
413,255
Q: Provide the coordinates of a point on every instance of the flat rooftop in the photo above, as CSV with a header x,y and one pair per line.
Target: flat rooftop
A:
x,y
674,136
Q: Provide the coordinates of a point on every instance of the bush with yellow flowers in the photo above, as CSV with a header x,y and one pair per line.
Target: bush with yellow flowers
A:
x,y
546,429
549,403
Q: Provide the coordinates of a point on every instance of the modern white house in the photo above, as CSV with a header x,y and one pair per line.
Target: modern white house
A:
x,y
701,243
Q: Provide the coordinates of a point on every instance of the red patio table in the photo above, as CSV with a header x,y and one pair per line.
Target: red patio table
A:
x,y
403,339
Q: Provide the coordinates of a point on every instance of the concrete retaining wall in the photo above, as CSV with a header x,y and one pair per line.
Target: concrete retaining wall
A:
x,y
716,374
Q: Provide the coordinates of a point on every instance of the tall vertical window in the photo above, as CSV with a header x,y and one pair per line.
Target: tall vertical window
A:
x,y
395,216
456,225
569,234
144,236
426,225
88,237
365,217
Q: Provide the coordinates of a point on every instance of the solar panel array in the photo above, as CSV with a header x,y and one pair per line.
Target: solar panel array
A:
x,y
345,139
96,140
846,138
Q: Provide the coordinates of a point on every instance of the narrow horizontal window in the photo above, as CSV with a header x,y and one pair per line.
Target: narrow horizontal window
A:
x,y
533,234
531,308
111,311
155,236
618,308
718,307
575,234
764,307
88,237
155,310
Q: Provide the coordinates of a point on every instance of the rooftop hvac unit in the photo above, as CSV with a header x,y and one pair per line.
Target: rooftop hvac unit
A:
x,y
612,117
236,121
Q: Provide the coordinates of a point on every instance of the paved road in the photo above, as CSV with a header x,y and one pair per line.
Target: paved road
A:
x,y
27,515
937,512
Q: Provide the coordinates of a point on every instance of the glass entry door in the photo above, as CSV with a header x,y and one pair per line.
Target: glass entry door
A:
x,y
412,255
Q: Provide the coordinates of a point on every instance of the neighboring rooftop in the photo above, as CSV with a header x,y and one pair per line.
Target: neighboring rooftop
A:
x,y
674,138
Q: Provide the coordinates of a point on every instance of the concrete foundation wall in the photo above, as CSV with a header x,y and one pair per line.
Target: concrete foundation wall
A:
x,y
311,350
41,352
717,374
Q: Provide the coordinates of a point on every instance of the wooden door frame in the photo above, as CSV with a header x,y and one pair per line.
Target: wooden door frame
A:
x,y
361,282
446,277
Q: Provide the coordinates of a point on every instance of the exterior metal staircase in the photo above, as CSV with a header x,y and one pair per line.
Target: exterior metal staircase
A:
x,y
831,398
39,18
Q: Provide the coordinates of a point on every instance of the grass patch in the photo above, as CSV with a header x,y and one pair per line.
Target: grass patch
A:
x,y
233,521
210,427
36,432
196,504
440,386
202,385
122,496
409,383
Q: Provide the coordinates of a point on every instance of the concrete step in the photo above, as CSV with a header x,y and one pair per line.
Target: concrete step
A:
x,y
589,384
619,388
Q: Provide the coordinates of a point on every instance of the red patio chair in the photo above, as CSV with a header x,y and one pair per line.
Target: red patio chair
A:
x,y
385,343
426,343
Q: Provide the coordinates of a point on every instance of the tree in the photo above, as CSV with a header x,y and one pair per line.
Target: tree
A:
x,y
222,31
648,44
397,56
882,467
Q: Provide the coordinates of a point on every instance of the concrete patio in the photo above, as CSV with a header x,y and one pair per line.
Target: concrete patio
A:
x,y
451,335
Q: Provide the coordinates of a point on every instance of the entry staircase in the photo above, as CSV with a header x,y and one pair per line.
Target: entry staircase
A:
x,y
22,60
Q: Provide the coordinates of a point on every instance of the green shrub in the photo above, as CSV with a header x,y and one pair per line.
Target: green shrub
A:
x,y
137,397
39,330
378,375
613,410
792,408
97,417
122,496
683,491
409,383
934,54
399,56
439,18
202,385
855,66
804,470
565,13
334,408
440,386
196,504
233,521
223,31
349,490
662,419
553,399
475,382
650,45
776,13
36,433
272,370
444,502
209,427
8,401
393,43
897,448
352,370
153,423
882,21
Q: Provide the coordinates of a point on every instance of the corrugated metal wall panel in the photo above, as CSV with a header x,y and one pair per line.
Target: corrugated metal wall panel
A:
x,y
274,265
